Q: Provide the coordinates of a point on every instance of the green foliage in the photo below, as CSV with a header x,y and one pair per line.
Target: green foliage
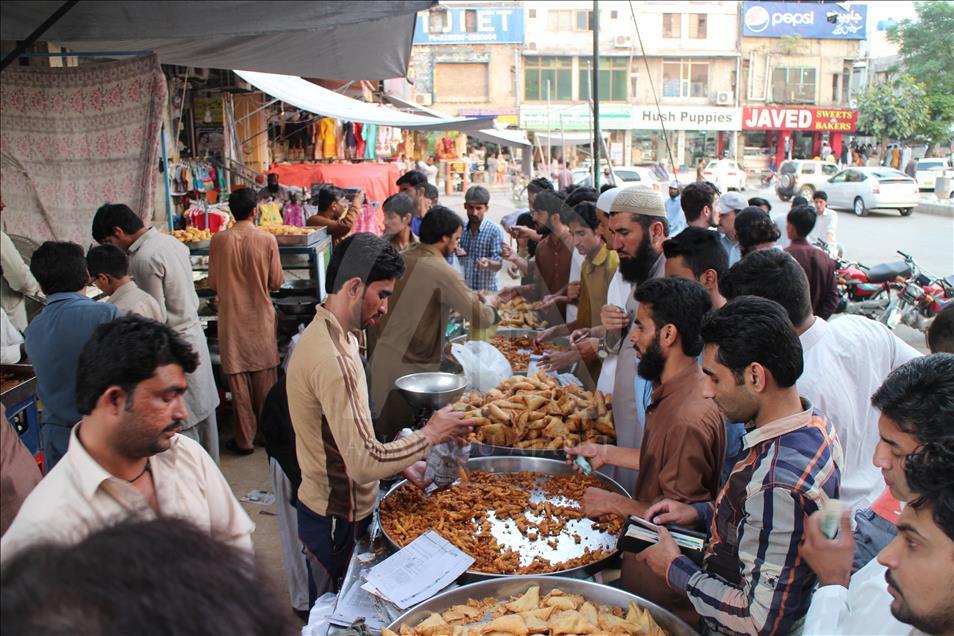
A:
x,y
898,109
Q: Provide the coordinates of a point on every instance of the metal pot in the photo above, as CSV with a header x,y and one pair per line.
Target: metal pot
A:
x,y
296,305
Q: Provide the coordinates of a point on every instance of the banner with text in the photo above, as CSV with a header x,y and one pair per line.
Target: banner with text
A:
x,y
829,21
463,25
798,118
627,117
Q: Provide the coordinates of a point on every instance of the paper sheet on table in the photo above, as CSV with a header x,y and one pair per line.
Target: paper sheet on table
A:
x,y
418,571
357,603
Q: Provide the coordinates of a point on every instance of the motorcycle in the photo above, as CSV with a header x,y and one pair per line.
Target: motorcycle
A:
x,y
866,291
920,299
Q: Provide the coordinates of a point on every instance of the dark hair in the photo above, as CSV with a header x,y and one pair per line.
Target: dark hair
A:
x,y
107,259
694,198
759,201
803,219
700,249
110,581
477,194
585,215
414,178
930,475
399,204
799,200
820,194
113,215
919,397
242,203
753,226
549,202
364,256
59,266
125,352
771,274
570,189
326,196
679,302
539,185
439,222
581,194
431,193
751,329
941,332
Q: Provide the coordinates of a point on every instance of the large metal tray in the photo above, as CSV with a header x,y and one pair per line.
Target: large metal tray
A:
x,y
25,387
504,589
508,536
299,240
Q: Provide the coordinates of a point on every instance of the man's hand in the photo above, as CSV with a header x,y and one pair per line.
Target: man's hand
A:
x,y
573,291
550,300
483,263
596,454
506,294
555,361
613,318
668,511
546,335
830,559
579,334
415,474
488,298
588,348
446,424
522,231
660,556
597,502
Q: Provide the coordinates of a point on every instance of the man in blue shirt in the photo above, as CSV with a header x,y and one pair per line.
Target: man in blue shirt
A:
x,y
56,337
482,242
677,220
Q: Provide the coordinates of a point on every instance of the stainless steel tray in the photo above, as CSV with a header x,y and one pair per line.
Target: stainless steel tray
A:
x,y
508,536
504,589
301,239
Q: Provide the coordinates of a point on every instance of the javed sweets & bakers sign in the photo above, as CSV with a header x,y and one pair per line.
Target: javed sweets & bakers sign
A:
x,y
797,118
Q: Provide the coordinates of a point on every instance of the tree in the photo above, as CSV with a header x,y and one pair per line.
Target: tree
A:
x,y
895,109
927,53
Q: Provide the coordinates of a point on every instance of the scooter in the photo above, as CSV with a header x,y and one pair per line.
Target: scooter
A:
x,y
921,298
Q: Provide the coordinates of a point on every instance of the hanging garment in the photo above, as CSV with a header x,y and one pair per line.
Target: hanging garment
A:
x,y
339,138
370,136
350,141
327,135
359,140
383,146
270,213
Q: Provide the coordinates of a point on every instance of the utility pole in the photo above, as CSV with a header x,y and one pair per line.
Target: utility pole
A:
x,y
595,92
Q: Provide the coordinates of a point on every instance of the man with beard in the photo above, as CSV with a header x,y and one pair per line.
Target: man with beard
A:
x,y
684,440
126,458
916,428
410,339
639,227
273,190
340,459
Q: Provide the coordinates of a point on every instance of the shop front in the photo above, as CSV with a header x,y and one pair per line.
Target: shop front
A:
x,y
796,132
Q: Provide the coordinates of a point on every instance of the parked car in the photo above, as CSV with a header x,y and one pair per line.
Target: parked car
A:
x,y
725,174
929,169
803,177
873,188
626,175
658,169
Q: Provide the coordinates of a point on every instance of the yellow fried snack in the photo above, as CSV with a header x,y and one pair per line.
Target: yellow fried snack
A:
x,y
529,601
508,624
287,230
519,313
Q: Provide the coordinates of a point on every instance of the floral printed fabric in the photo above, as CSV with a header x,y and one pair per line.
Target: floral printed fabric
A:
x,y
72,139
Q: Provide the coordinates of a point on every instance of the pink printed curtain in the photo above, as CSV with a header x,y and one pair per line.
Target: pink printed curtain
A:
x,y
72,139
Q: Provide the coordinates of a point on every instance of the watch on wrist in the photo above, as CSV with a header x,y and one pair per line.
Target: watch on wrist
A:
x,y
601,351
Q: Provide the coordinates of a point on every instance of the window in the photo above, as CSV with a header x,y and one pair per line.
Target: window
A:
x,y
835,85
532,14
558,21
470,21
436,20
613,74
808,168
538,70
685,79
672,25
793,85
455,82
614,15
697,26
839,178
829,169
584,21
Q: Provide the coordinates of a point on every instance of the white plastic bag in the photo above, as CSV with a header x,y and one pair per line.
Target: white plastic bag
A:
x,y
484,366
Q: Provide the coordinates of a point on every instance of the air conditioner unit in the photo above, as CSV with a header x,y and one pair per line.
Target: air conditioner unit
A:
x,y
531,46
622,41
425,99
724,98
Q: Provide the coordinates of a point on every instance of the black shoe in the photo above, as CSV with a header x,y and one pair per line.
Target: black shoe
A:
x,y
232,447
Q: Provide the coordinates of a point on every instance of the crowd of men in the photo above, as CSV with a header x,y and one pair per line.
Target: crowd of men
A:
x,y
741,411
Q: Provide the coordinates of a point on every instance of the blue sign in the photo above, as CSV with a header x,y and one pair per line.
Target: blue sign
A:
x,y
812,21
477,25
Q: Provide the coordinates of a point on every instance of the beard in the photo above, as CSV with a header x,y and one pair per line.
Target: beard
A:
x,y
273,187
940,622
636,269
652,362
133,439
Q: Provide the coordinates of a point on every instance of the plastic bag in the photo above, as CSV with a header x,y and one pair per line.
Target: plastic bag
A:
x,y
444,463
484,366
321,611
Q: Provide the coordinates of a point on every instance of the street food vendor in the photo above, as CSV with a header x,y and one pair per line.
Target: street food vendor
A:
x,y
335,213
411,339
340,459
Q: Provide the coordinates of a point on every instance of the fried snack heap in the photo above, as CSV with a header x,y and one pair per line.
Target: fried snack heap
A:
x,y
461,514
554,614
536,412
287,230
517,351
519,312
192,235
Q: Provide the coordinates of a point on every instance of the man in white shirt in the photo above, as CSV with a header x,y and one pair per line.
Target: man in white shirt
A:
x,y
16,282
826,225
915,455
846,360
109,268
125,458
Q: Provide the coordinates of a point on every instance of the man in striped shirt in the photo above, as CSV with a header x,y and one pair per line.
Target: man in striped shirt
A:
x,y
752,580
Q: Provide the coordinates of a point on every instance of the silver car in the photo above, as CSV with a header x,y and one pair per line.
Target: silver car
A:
x,y
864,189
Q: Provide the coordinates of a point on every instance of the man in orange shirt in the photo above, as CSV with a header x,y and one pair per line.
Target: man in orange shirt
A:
x,y
244,267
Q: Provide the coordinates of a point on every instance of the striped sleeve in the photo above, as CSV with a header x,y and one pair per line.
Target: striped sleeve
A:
x,y
769,601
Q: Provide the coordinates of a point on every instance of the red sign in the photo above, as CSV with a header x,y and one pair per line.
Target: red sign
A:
x,y
798,118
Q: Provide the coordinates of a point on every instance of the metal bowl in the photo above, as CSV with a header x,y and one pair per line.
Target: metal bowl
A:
x,y
566,549
433,390
296,305
504,589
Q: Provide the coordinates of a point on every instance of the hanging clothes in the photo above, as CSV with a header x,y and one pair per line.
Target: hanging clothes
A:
x,y
359,140
270,213
328,150
339,138
370,136
350,141
383,148
293,214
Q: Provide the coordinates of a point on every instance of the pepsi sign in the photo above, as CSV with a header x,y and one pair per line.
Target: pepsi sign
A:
x,y
812,21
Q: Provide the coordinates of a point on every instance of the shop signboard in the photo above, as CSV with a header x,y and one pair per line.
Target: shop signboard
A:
x,y
811,21
799,118
575,118
470,25
687,118
505,116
